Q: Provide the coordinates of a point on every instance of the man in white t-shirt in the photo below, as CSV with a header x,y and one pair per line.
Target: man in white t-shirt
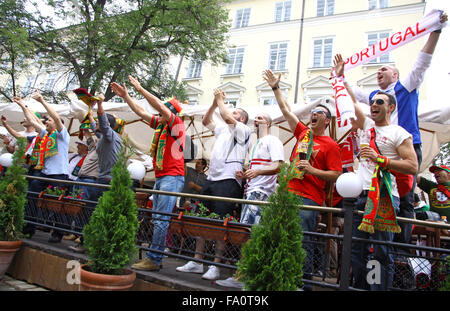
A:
x,y
405,114
53,159
390,149
265,159
264,163
227,157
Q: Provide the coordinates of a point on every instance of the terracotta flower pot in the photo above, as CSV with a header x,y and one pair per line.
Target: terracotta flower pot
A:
x,y
91,281
7,251
208,230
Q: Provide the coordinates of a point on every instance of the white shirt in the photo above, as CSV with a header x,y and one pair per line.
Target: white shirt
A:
x,y
387,138
229,151
266,150
59,163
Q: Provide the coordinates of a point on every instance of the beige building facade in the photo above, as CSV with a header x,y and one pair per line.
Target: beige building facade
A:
x,y
298,38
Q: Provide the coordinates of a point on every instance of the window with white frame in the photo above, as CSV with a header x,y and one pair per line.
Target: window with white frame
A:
x,y
235,60
27,86
378,4
323,52
194,69
49,82
269,101
277,56
242,18
373,38
283,11
325,7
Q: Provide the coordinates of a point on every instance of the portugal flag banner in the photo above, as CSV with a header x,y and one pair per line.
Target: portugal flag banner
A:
x,y
429,23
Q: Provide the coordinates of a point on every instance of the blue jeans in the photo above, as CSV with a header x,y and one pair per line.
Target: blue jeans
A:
x,y
381,252
251,214
308,223
163,203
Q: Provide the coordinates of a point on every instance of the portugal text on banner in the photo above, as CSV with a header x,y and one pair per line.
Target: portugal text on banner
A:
x,y
428,24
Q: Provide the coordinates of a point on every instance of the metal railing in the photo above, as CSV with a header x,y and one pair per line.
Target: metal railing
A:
x,y
414,269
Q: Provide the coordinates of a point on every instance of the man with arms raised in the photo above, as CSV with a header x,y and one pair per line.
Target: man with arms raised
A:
x,y
390,149
317,160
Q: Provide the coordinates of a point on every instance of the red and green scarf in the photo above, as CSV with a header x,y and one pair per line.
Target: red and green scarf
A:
x,y
306,140
44,148
158,145
379,212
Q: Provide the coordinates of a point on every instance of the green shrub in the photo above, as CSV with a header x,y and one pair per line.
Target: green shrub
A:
x,y
111,233
13,192
272,260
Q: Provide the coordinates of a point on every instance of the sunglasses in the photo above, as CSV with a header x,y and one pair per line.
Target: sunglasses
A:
x,y
317,111
377,101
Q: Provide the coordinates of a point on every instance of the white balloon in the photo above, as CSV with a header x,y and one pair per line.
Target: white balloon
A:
x,y
137,170
349,185
6,159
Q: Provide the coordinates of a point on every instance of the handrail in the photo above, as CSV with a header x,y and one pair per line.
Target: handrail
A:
x,y
241,201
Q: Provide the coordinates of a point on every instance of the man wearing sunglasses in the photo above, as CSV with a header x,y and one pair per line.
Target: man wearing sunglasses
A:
x,y
405,113
317,159
390,149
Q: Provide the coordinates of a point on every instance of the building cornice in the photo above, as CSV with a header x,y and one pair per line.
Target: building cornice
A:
x,y
330,19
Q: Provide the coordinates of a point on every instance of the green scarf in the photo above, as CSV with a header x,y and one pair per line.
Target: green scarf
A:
x,y
44,148
158,145
379,212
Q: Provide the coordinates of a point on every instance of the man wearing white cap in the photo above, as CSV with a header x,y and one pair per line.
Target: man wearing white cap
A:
x,y
76,159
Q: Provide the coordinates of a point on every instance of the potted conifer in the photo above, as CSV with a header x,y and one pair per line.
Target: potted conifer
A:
x,y
13,191
272,260
110,235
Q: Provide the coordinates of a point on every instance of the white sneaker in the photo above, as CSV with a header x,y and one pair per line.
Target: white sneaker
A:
x,y
213,273
192,267
230,282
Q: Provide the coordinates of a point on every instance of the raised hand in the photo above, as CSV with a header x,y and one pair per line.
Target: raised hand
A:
x,y
135,83
338,65
443,18
101,97
19,101
120,90
219,94
4,119
271,79
38,97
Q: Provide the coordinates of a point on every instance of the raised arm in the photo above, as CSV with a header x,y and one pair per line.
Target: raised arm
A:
x,y
273,82
225,113
208,117
431,43
122,91
51,112
339,69
10,130
154,101
30,116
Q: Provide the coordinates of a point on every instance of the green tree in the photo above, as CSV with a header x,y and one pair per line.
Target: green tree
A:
x,y
272,260
111,232
108,40
13,191
15,48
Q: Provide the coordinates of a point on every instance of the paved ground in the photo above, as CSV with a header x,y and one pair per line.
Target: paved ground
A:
x,y
7,283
